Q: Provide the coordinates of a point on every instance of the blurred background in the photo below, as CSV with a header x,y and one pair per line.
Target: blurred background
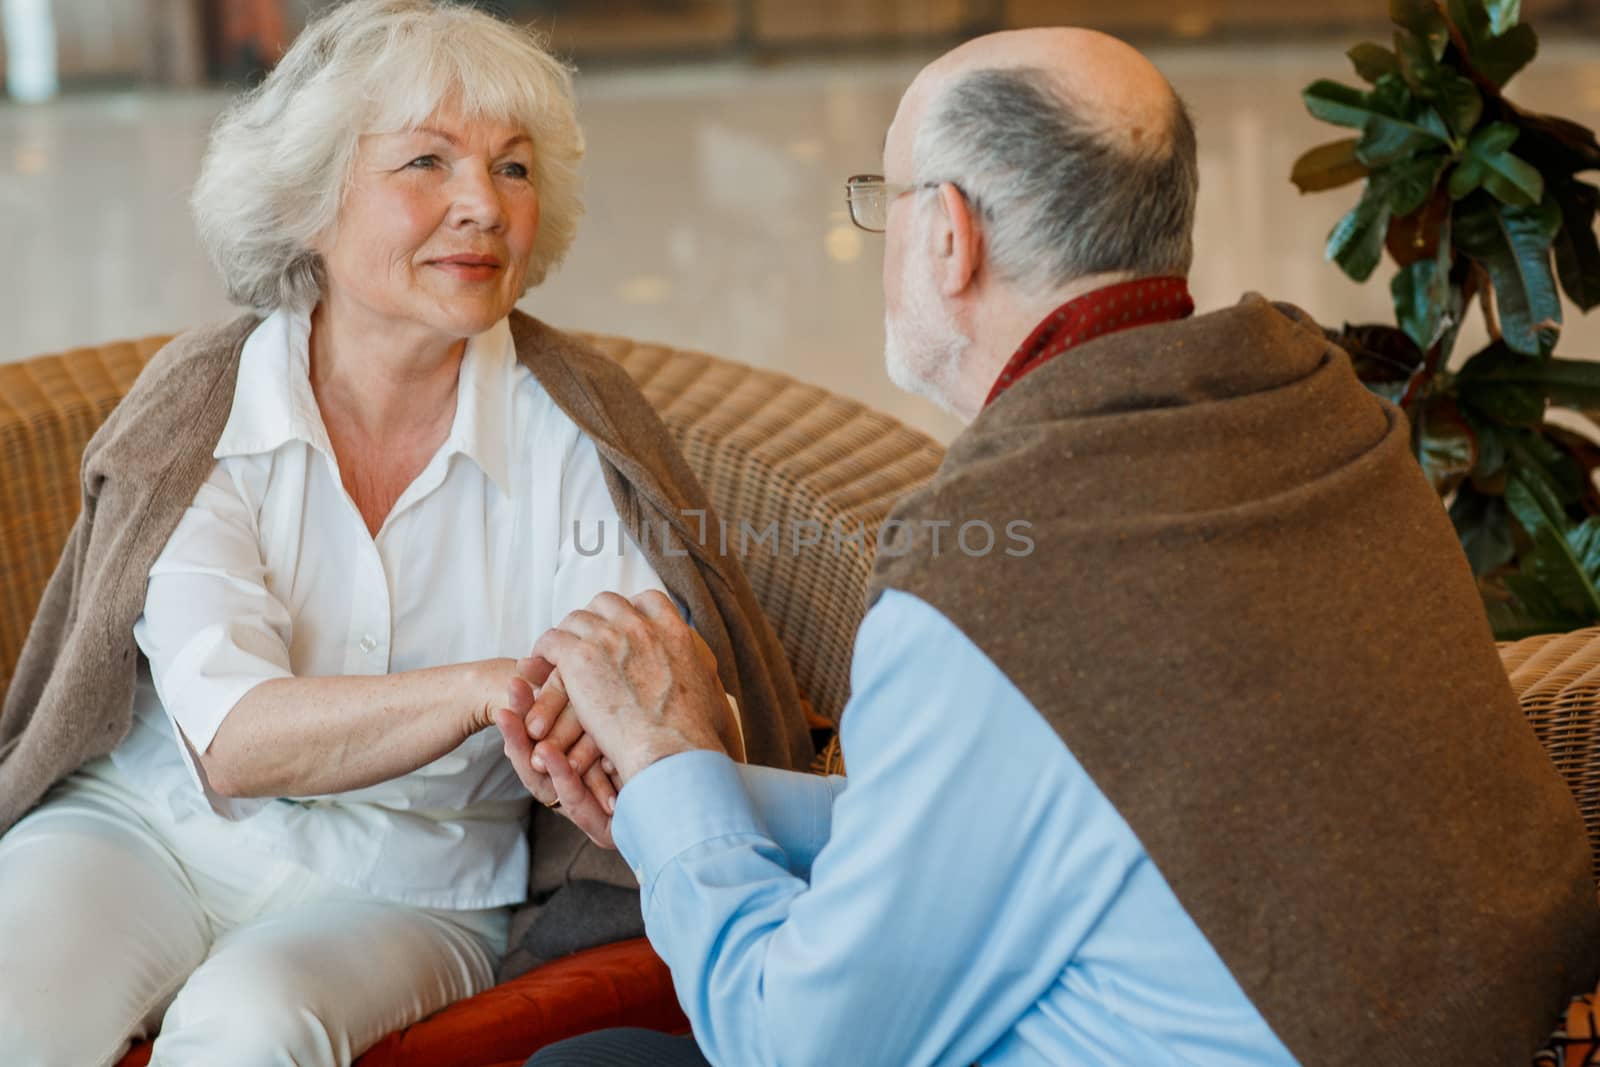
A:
x,y
720,132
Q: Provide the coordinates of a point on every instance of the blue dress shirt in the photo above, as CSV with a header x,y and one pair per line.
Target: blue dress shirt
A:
x,y
967,895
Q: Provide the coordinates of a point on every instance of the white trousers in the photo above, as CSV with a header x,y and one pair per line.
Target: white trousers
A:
x,y
115,920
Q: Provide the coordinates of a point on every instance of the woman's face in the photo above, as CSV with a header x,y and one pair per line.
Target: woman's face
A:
x,y
437,225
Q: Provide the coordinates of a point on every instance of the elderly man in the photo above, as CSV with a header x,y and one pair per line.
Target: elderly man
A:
x,y
1221,769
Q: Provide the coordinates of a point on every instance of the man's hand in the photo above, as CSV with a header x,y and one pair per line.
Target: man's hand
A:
x,y
642,683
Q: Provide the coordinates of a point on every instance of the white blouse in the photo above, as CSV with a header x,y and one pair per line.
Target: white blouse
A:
x,y
271,573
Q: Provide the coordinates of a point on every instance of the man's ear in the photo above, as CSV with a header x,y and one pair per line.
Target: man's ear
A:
x,y
958,242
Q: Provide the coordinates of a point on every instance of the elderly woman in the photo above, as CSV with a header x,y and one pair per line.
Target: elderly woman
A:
x,y
343,516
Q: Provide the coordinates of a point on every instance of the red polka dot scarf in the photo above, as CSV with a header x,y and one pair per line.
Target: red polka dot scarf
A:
x,y
1123,306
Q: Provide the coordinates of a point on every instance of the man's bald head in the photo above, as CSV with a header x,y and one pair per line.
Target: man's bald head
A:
x,y
1072,147
1111,84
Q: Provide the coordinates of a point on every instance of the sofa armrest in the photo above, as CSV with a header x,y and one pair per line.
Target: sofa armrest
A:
x,y
49,408
1557,679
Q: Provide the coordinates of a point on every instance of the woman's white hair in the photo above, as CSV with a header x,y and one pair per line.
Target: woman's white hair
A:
x,y
279,160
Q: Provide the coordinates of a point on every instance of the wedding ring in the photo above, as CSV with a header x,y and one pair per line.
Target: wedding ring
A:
x,y
554,805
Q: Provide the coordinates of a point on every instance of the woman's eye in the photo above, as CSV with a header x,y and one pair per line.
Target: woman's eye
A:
x,y
424,162
516,170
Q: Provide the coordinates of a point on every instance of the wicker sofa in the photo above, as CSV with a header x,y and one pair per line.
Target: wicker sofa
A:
x,y
769,449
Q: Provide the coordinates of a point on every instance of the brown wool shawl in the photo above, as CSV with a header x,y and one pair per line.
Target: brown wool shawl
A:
x,y
1248,617
72,696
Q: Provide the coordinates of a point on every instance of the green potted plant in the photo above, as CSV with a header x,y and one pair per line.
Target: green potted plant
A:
x,y
1473,198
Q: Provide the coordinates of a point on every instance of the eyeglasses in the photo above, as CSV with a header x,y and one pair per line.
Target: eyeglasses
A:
x,y
869,197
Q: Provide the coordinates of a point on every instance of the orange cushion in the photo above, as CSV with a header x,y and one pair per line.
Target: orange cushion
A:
x,y
1577,1042
625,984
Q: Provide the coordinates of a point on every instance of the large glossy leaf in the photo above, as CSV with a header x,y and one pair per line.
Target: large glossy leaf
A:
x,y
1384,358
1511,181
1507,404
1386,139
1443,443
1573,383
1423,18
1488,162
1341,105
1537,454
1554,145
1584,540
1493,139
1483,525
1583,457
1411,183
1533,497
1380,352
1513,244
1328,167
1418,64
1535,610
1392,96
1420,293
1356,243
1488,387
1384,117
1459,100
1508,623
1503,14
1553,561
1419,235
1499,58
1470,18
1372,61
1577,253
1493,452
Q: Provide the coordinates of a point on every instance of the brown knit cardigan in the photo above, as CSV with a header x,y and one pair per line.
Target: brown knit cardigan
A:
x,y
72,696
1248,617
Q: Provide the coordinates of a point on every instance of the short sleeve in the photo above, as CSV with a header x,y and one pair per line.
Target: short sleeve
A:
x,y
211,628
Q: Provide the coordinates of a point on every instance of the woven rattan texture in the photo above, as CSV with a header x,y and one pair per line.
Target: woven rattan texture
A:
x,y
774,454
1557,678
49,407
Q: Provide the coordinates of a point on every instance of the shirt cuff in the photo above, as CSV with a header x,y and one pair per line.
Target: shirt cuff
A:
x,y
677,803
796,807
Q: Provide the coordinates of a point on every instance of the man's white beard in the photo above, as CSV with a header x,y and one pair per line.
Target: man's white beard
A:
x,y
926,358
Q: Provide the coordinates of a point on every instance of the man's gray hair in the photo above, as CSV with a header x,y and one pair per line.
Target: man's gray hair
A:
x,y
280,157
1059,199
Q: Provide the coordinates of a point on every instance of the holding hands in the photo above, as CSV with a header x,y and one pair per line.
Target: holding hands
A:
x,y
628,681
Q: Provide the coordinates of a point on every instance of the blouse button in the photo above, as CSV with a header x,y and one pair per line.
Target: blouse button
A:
x,y
368,643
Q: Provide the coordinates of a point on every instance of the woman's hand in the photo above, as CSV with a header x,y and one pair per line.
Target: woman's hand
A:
x,y
487,686
540,729
578,802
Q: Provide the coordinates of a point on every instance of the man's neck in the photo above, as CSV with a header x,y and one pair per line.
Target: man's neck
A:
x,y
1003,321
